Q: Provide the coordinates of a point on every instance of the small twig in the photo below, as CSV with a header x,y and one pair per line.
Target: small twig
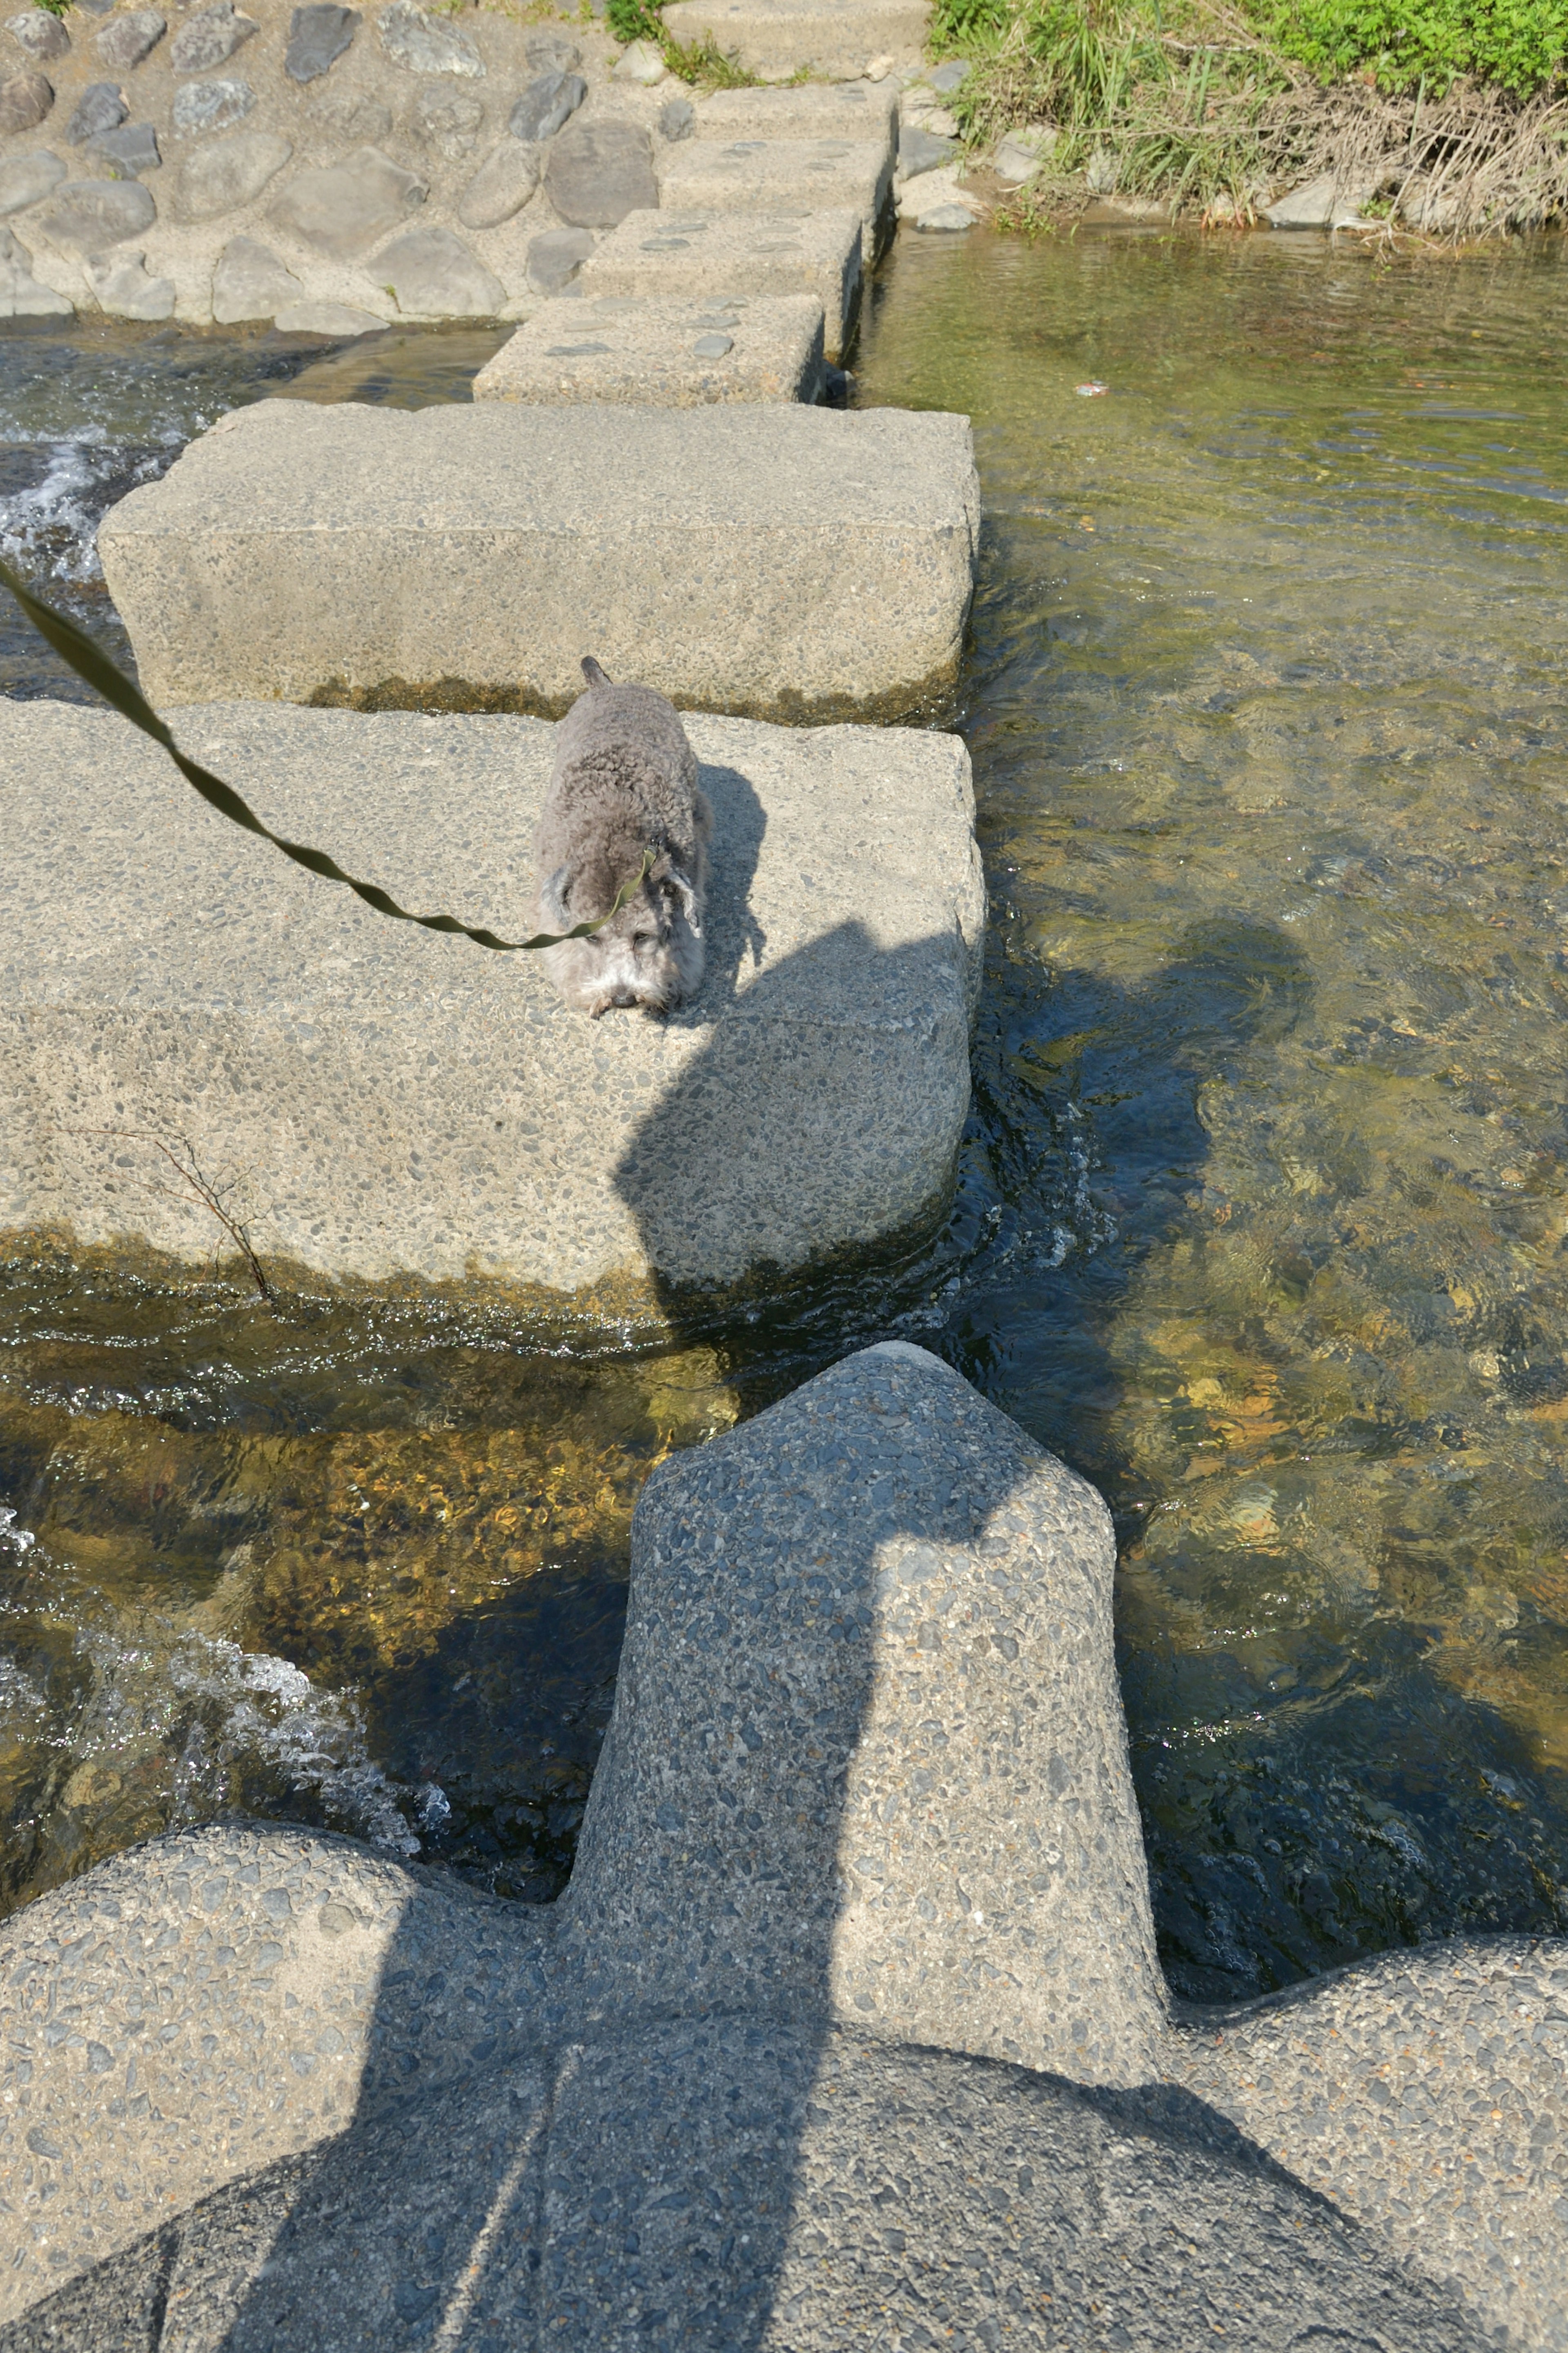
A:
x,y
197,1188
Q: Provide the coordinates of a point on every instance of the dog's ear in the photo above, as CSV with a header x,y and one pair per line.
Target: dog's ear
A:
x,y
675,880
552,895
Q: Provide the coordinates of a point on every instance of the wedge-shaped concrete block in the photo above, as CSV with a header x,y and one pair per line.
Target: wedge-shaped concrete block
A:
x,y
776,38
661,354
765,175
670,254
776,562
392,1101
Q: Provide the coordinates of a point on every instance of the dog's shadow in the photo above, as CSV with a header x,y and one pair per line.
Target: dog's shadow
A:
x,y
732,934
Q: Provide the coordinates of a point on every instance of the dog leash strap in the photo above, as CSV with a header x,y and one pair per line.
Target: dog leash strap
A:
x,y
93,667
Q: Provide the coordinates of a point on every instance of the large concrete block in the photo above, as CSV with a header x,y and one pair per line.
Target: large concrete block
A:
x,y
776,562
807,110
776,38
388,1101
661,354
670,255
765,175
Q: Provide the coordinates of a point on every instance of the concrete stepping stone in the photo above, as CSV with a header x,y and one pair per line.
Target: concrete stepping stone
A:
x,y
318,36
210,38
836,39
24,100
768,175
661,354
850,2020
826,559
812,110
813,1096
40,34
667,256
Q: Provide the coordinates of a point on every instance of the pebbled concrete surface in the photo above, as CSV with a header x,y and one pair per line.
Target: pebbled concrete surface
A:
x,y
685,256
774,561
811,1096
662,2113
661,354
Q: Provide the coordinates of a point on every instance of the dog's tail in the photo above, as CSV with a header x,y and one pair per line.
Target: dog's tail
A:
x,y
592,672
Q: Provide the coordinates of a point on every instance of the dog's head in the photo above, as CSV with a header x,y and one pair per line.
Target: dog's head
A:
x,y
646,954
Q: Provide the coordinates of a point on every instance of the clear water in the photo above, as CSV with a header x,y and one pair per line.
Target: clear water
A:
x,y
1262,1218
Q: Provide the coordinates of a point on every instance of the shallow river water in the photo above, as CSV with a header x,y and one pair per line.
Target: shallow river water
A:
x,y
1262,1218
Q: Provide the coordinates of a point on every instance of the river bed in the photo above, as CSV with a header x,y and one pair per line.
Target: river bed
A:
x,y
1262,1218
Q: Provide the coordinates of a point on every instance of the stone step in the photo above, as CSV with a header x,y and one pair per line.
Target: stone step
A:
x,y
674,255
810,109
408,1104
776,38
661,354
766,175
777,562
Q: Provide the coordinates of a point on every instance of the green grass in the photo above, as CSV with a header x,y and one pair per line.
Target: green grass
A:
x,y
1519,45
700,63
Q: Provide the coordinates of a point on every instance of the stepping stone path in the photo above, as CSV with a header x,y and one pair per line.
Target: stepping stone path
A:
x,y
500,132
848,2028
669,256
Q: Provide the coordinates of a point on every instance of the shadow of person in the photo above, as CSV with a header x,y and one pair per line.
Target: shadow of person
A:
x,y
842,2027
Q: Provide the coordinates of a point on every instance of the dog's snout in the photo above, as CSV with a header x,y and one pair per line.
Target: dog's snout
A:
x,y
624,997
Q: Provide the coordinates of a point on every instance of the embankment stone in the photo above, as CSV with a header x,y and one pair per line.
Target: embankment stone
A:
x,y
776,38
202,107
209,38
669,256
343,208
425,44
323,318
220,177
501,186
555,257
250,281
813,1095
84,217
128,152
24,100
26,179
597,172
21,294
769,175
546,104
318,36
433,275
661,354
40,34
447,123
99,107
129,37
780,562
123,290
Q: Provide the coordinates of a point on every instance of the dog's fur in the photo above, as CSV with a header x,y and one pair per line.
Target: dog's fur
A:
x,y
624,783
